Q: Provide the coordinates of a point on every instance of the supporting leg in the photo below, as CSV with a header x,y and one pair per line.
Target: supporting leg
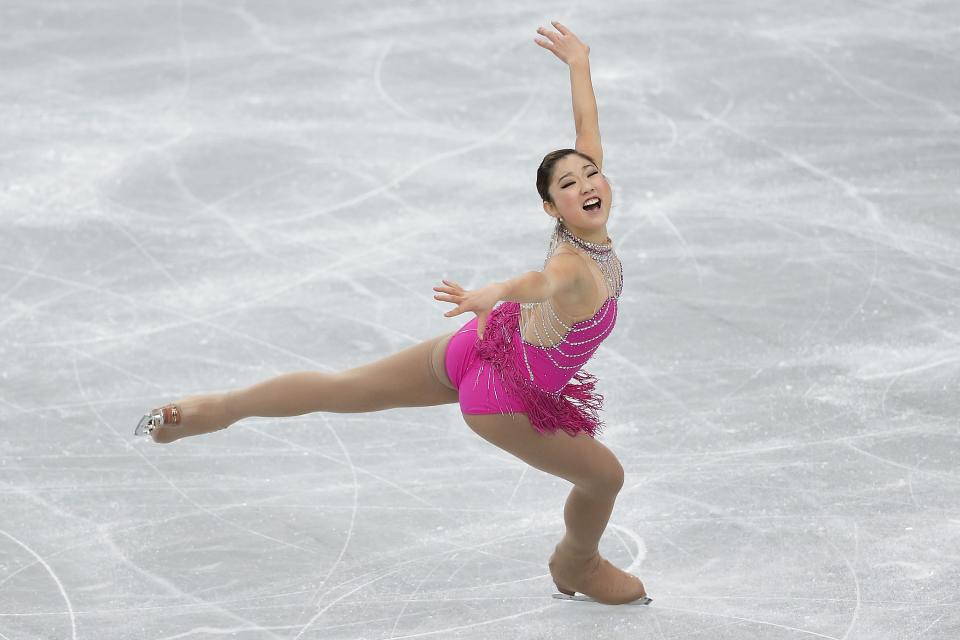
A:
x,y
585,516
597,476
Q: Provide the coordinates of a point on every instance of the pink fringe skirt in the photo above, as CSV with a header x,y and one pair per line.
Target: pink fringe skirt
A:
x,y
574,408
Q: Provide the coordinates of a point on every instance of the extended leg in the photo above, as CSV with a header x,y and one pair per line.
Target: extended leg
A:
x,y
294,394
408,378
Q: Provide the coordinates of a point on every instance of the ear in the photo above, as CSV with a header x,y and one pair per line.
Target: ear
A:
x,y
550,209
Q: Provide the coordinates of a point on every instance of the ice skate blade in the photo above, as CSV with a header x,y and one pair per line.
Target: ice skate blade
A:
x,y
146,425
583,598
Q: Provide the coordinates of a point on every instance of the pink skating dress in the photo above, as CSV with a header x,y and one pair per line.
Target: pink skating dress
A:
x,y
531,357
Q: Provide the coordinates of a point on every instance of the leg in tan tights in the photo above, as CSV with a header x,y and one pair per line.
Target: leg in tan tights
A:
x,y
416,377
597,477
412,377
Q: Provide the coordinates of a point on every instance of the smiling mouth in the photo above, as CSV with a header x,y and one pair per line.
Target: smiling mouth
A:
x,y
593,207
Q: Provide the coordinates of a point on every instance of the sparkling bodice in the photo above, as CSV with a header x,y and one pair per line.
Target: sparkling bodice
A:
x,y
552,343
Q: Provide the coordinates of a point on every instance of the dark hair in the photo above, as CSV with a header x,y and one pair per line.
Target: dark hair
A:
x,y
545,171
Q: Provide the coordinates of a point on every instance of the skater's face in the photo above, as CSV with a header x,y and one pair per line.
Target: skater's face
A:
x,y
577,181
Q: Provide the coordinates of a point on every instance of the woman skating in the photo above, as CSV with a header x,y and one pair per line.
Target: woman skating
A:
x,y
515,368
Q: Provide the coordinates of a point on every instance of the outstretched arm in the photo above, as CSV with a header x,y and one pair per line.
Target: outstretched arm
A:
x,y
576,54
562,273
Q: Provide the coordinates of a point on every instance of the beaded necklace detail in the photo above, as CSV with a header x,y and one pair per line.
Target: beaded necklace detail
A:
x,y
602,254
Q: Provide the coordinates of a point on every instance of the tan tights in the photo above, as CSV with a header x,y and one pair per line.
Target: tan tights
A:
x,y
595,472
415,377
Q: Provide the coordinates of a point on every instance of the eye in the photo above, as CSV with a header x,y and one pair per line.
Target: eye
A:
x,y
589,175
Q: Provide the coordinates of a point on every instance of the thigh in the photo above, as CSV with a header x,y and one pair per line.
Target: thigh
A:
x,y
412,377
582,460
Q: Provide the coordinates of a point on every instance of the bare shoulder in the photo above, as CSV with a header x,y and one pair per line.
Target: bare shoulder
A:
x,y
568,248
581,290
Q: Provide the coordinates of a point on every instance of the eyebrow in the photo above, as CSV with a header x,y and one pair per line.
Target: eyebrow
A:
x,y
570,172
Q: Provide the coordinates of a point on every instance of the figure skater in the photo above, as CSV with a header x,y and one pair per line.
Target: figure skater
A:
x,y
515,369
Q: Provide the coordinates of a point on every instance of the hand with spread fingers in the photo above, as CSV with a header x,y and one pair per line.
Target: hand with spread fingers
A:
x,y
565,44
481,301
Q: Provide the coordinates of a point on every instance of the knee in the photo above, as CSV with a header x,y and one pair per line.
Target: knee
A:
x,y
608,480
615,477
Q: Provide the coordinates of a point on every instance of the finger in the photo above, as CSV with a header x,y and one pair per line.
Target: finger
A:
x,y
544,44
559,27
550,34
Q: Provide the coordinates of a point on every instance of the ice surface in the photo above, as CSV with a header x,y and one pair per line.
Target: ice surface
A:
x,y
198,196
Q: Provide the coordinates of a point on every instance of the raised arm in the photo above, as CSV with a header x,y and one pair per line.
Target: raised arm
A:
x,y
576,54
